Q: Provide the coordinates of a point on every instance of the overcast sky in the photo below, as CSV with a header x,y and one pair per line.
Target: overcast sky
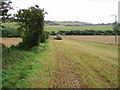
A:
x,y
94,11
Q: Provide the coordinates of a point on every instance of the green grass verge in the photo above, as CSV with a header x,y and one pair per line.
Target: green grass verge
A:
x,y
21,67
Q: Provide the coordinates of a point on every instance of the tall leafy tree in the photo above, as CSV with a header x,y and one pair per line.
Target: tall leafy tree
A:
x,y
31,26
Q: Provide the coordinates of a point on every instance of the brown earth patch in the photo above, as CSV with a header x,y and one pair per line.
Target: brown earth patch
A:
x,y
10,41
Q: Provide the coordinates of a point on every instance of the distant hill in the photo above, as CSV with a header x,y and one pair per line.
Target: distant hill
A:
x,y
66,23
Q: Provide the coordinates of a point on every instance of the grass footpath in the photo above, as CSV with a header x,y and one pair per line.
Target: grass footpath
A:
x,y
29,69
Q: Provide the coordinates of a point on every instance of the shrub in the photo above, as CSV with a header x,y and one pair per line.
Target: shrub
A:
x,y
53,33
47,34
43,37
31,25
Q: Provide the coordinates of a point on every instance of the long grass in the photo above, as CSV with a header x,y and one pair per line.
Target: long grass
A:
x,y
20,67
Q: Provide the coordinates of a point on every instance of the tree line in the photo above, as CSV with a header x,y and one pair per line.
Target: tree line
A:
x,y
87,32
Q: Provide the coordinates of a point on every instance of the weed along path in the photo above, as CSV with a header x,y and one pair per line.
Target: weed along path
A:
x,y
65,63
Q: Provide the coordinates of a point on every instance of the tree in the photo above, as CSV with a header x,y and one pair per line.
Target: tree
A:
x,y
31,26
4,8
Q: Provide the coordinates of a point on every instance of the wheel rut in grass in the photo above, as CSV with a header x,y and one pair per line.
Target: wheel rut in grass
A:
x,y
64,75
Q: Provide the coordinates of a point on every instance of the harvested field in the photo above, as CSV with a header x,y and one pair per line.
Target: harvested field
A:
x,y
10,41
82,64
99,39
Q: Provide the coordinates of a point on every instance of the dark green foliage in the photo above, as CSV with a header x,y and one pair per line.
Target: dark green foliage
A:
x,y
53,33
89,32
116,29
61,32
47,34
100,32
31,26
109,32
4,8
43,37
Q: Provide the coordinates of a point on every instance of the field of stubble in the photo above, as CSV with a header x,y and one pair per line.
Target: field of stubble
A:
x,y
10,41
99,39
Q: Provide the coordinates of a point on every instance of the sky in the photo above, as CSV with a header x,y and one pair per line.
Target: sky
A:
x,y
93,11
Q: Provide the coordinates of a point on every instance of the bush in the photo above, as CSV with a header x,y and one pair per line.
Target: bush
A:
x,y
53,33
31,22
43,37
47,34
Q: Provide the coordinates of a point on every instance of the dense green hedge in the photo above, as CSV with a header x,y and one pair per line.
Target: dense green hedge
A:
x,y
87,32
12,32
